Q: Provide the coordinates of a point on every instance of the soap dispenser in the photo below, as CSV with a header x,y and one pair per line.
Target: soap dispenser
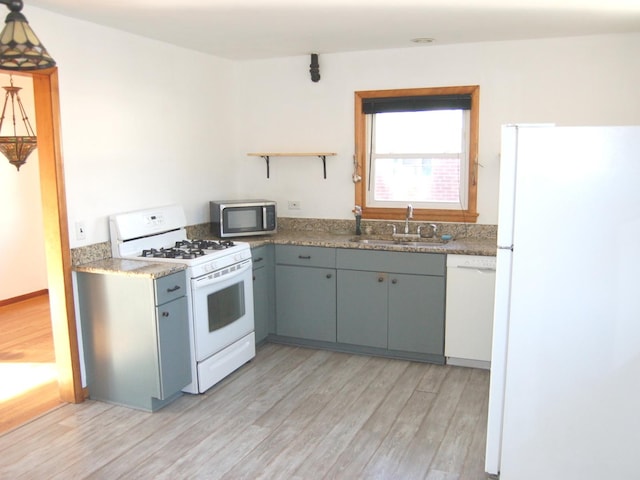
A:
x,y
357,210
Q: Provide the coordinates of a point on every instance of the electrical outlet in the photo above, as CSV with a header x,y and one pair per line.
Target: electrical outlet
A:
x,y
294,205
81,231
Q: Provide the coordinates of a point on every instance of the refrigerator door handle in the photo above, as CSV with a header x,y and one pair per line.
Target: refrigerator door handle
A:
x,y
510,247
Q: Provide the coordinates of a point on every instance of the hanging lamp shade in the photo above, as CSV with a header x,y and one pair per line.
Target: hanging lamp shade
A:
x,y
20,48
16,147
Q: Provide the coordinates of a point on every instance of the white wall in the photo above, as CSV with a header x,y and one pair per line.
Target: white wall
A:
x,y
144,123
581,81
22,261
134,110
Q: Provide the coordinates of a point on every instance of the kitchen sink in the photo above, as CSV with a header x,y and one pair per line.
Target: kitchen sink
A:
x,y
409,243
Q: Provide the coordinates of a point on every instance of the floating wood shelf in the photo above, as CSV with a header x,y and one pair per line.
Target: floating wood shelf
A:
x,y
321,155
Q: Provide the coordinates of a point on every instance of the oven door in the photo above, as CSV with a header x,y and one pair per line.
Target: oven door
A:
x,y
222,308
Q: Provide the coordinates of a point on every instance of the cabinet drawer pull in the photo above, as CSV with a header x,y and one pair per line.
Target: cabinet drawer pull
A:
x,y
394,281
174,289
329,275
254,278
304,257
259,259
165,314
380,279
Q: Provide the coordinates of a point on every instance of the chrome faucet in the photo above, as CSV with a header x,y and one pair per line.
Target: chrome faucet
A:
x,y
406,221
432,226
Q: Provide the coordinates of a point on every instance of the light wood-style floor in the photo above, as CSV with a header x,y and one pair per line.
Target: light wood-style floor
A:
x,y
291,413
28,385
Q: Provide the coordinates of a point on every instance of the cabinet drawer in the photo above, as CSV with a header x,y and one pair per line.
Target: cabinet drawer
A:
x,y
306,256
170,287
398,262
261,256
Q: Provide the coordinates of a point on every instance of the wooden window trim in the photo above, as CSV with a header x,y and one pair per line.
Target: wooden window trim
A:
x,y
470,215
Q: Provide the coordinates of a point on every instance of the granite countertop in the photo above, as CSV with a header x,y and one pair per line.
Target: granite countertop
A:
x,y
462,246
120,266
467,240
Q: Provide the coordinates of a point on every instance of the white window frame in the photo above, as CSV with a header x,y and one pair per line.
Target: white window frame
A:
x,y
461,204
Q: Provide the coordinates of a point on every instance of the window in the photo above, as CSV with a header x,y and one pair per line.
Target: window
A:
x,y
417,146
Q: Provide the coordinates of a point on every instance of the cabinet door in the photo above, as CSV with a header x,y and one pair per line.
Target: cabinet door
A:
x,y
416,313
362,308
173,347
260,303
306,302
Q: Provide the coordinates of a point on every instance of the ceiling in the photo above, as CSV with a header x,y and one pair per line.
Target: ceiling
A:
x,y
254,29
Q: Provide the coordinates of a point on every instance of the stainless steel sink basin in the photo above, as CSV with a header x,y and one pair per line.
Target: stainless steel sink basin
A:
x,y
376,241
373,241
427,243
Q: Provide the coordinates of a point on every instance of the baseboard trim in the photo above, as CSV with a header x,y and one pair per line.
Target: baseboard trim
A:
x,y
466,362
21,298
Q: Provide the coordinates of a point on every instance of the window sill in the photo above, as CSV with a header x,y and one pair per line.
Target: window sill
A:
x,y
420,215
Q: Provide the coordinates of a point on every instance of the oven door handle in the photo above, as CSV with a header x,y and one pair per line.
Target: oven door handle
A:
x,y
217,276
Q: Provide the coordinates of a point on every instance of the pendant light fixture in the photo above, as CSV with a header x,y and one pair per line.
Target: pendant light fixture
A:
x,y
20,48
16,147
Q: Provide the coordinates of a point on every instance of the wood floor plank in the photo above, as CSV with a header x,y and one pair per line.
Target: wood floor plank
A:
x,y
222,456
434,426
166,444
355,416
287,461
75,444
292,413
456,442
474,462
359,452
223,420
27,359
432,379
309,398
440,475
391,451
90,409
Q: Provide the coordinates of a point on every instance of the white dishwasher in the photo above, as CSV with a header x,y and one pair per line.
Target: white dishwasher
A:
x,y
469,310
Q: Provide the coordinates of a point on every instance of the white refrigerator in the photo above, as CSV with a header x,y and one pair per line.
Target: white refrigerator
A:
x,y
565,370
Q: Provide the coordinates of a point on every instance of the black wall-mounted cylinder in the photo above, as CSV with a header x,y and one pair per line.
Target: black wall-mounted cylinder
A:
x,y
315,68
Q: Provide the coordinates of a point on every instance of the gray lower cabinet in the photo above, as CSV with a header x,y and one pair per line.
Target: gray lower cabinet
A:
x,y
263,291
305,292
362,299
391,300
367,301
135,336
416,313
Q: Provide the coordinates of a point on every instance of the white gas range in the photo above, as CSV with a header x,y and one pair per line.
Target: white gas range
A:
x,y
219,287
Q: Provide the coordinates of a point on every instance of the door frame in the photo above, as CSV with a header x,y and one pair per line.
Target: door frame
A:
x,y
56,232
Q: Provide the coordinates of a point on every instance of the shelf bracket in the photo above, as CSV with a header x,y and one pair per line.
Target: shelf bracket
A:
x,y
324,164
266,159
267,156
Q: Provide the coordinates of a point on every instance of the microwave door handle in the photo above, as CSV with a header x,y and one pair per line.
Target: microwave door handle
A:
x,y
264,218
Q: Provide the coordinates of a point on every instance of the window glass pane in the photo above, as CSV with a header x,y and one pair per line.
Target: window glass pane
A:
x,y
417,179
438,131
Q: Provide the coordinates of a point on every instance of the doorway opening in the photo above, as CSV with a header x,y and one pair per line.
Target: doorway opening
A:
x,y
57,250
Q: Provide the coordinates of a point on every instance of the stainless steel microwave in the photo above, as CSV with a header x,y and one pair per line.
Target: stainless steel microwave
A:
x,y
243,218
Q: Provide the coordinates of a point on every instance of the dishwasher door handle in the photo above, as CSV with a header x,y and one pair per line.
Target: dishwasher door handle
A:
x,y
480,269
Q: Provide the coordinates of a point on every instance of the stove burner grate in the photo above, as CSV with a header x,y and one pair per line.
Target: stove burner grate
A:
x,y
173,253
187,249
205,244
